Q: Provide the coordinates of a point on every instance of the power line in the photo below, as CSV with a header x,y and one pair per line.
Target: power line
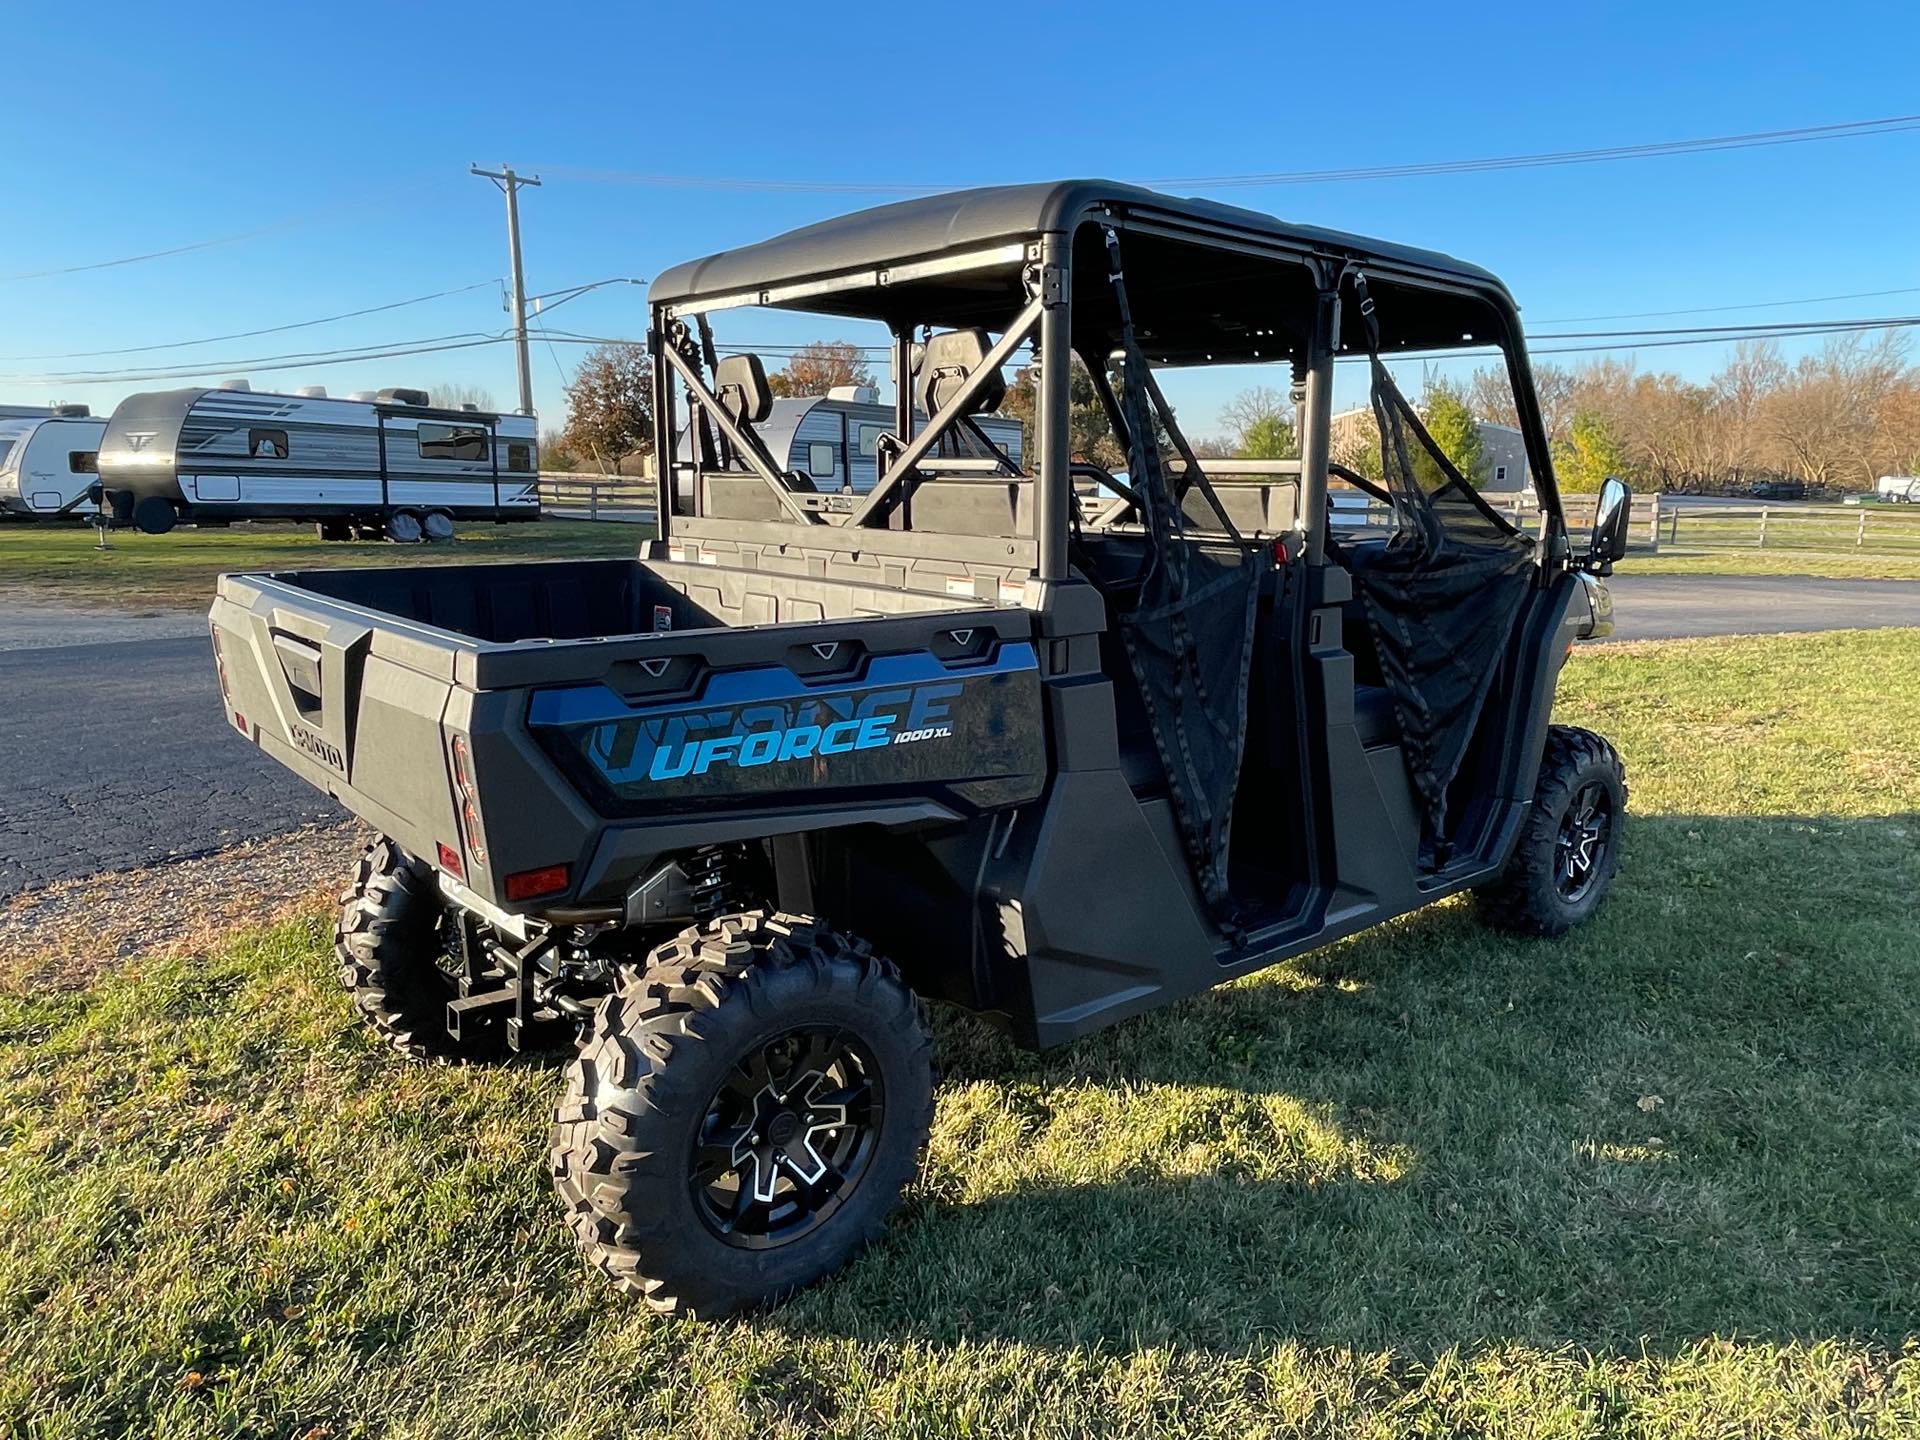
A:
x,y
1750,140
249,334
291,222
462,340
1722,309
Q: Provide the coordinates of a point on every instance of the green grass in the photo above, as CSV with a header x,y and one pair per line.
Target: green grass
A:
x,y
1653,1179
61,565
1825,565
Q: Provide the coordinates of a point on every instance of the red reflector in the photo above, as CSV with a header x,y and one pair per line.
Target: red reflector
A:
x,y
544,881
449,861
239,722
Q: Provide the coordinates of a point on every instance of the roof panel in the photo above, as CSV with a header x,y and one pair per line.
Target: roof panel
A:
x,y
966,219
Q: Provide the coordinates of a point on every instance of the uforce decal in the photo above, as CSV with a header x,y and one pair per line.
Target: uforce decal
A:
x,y
773,733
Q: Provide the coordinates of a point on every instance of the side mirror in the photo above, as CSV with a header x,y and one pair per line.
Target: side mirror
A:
x,y
1611,515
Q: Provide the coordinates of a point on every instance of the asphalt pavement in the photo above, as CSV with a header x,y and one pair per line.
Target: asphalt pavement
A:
x,y
114,752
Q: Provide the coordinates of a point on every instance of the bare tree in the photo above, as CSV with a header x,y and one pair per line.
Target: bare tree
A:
x,y
451,396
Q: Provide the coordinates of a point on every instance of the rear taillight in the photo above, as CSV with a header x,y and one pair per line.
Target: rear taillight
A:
x,y
449,860
469,797
547,880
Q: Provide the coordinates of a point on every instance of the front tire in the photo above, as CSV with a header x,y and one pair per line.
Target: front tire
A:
x,y
437,526
404,528
1569,846
154,515
743,1115
394,942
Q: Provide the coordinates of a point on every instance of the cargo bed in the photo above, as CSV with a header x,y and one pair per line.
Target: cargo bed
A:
x,y
505,718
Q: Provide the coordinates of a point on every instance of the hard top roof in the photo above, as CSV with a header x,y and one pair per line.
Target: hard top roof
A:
x,y
964,220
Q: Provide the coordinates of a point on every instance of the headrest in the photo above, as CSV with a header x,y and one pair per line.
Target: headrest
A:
x,y
740,385
949,359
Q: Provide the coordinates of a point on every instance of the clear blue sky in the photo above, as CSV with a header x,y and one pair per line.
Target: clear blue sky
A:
x,y
348,130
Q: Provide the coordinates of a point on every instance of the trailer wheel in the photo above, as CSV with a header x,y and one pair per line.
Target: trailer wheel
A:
x,y
1569,844
438,525
394,940
154,515
743,1115
403,527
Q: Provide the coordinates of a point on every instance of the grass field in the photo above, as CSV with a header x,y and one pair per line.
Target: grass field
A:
x,y
1824,565
1656,1179
60,564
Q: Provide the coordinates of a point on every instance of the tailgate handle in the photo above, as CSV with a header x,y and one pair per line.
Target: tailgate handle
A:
x,y
300,663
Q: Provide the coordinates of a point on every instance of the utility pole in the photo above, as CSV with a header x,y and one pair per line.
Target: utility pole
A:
x,y
509,185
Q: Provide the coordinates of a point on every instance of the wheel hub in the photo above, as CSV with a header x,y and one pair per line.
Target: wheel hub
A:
x,y
786,1138
1582,841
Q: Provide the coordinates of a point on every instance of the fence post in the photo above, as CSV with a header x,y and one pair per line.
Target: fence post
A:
x,y
1860,535
1653,523
593,499
1763,527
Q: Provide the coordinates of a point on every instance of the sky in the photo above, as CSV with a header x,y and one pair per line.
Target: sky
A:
x,y
326,150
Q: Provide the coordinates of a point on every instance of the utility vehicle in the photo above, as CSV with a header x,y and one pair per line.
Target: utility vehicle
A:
x,y
1051,743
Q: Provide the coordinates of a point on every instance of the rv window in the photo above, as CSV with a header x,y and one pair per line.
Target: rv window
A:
x,y
870,438
820,460
520,456
267,444
453,442
83,462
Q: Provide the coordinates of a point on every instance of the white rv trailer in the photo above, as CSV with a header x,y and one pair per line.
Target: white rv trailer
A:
x,y
1899,489
394,463
47,462
831,439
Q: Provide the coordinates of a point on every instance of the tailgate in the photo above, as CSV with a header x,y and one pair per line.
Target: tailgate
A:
x,y
352,706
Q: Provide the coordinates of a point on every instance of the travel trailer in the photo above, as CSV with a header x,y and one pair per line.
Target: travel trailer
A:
x,y
1899,489
47,461
832,439
391,464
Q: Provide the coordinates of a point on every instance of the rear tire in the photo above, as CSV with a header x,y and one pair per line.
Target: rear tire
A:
x,y
1569,846
757,1056
154,515
404,528
391,936
438,526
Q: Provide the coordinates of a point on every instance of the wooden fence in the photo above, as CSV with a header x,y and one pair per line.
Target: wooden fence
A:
x,y
1862,529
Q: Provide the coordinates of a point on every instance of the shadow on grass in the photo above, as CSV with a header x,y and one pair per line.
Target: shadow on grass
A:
x,y
1695,1116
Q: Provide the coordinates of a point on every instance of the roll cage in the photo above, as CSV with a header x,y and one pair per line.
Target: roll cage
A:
x,y
964,281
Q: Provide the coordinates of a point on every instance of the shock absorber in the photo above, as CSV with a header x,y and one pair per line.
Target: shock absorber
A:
x,y
713,873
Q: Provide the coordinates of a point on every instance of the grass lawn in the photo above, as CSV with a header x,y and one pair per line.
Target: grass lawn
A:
x,y
1824,565
1655,1179
60,565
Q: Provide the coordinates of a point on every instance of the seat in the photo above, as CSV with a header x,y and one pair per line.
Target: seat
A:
x,y
740,385
946,363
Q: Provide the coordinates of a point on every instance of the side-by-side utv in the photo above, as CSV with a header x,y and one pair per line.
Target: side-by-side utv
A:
x,y
1050,742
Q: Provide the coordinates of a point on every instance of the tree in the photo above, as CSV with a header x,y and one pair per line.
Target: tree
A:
x,y
1270,437
1589,455
610,404
556,452
1451,424
1259,420
1090,436
452,396
821,366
